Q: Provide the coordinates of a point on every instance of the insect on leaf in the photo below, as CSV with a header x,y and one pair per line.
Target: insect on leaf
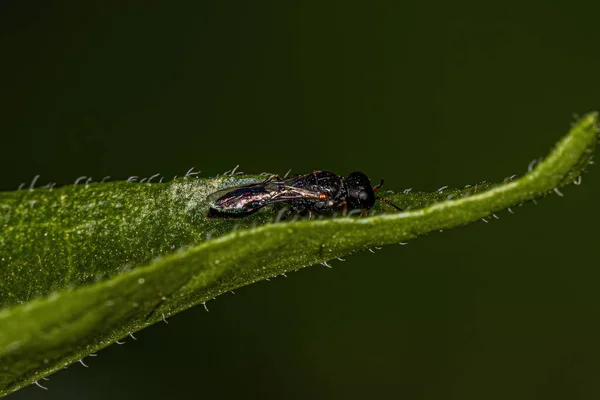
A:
x,y
84,265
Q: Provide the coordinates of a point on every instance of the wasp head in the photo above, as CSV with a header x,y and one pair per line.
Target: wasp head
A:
x,y
360,191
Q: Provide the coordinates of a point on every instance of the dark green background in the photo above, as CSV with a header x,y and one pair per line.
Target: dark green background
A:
x,y
425,94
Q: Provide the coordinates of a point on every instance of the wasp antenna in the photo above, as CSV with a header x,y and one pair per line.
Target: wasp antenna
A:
x,y
376,188
389,202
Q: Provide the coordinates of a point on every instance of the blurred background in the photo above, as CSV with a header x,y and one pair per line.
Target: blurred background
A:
x,y
424,94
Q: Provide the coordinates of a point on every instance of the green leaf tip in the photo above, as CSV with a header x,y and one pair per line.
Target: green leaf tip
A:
x,y
153,259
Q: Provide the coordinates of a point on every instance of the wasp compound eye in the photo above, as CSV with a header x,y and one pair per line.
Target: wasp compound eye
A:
x,y
366,198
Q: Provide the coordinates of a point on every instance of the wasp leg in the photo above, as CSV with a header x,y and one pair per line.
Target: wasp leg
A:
x,y
344,206
287,214
272,177
300,211
363,212
310,213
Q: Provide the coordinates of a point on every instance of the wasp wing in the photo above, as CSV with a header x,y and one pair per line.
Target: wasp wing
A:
x,y
297,188
289,189
258,194
254,185
289,193
278,193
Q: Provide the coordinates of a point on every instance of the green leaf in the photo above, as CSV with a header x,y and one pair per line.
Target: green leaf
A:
x,y
91,263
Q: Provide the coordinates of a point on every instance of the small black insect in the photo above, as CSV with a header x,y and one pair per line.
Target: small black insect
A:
x,y
319,191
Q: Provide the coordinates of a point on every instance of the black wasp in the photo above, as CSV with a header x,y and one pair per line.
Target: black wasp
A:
x,y
319,191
